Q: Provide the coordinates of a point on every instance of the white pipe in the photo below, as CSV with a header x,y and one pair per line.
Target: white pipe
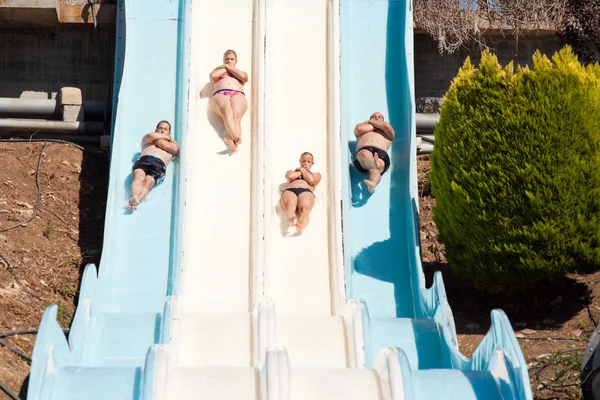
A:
x,y
425,149
31,125
426,138
17,137
427,122
46,107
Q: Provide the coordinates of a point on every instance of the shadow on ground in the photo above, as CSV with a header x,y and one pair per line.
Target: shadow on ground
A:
x,y
93,190
546,304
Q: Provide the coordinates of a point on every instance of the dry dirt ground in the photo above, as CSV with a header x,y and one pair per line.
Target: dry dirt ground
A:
x,y
42,259
553,322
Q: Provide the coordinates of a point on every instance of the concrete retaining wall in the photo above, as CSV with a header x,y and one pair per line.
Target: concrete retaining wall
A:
x,y
434,72
37,62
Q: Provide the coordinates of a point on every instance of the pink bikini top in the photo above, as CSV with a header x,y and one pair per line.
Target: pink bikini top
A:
x,y
225,75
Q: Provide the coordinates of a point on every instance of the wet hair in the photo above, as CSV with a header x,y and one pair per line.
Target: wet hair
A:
x,y
166,122
230,52
307,153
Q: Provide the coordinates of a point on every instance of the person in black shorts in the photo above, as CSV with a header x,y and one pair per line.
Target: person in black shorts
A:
x,y
298,196
374,138
158,149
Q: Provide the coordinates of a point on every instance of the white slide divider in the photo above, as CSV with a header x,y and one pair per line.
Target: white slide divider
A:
x,y
258,149
387,366
336,250
278,371
353,326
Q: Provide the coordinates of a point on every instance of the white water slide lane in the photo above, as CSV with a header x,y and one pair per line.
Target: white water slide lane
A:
x,y
304,274
211,338
301,115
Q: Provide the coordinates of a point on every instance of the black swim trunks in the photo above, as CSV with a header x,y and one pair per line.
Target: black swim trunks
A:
x,y
381,153
152,166
298,191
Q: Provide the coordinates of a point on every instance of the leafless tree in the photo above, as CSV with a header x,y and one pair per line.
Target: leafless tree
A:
x,y
456,23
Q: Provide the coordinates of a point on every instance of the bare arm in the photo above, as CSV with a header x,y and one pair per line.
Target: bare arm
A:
x,y
292,175
152,137
169,146
311,179
241,75
362,128
217,72
385,128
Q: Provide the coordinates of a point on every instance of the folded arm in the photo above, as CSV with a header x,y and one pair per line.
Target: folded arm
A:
x,y
167,145
362,128
292,175
311,179
152,137
241,75
217,72
384,127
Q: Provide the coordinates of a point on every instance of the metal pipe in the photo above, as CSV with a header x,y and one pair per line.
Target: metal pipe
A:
x,y
12,107
425,149
33,125
79,139
427,122
426,138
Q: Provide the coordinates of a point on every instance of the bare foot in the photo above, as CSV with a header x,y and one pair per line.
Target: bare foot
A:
x,y
370,185
238,141
231,144
299,229
133,203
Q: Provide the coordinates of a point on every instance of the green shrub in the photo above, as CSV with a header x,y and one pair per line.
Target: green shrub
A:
x,y
516,171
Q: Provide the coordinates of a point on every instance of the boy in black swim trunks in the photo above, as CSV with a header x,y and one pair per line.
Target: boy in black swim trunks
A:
x,y
374,138
158,149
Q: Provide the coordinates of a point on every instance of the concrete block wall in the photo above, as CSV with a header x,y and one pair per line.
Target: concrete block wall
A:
x,y
434,72
37,62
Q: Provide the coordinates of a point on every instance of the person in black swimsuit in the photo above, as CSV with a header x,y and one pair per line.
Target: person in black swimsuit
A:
x,y
373,139
298,199
158,149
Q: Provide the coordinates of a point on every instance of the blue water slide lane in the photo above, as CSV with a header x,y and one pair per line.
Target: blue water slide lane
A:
x,y
119,313
381,230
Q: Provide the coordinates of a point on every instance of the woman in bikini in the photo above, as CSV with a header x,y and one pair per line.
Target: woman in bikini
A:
x,y
229,101
298,196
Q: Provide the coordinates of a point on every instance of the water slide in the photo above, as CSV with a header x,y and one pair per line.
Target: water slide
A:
x,y
120,304
381,231
227,303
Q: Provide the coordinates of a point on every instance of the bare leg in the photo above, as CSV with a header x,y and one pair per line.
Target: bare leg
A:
x,y
221,105
306,201
239,106
136,189
288,203
146,186
375,173
369,162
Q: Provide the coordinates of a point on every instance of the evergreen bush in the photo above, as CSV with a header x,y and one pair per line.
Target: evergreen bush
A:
x,y
516,170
